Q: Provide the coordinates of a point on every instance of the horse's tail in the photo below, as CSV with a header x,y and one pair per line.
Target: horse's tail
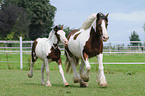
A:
x,y
33,53
69,56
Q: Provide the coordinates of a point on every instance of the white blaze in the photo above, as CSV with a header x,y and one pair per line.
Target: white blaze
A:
x,y
104,29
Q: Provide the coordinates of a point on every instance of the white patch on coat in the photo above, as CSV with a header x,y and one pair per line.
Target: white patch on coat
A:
x,y
44,45
76,46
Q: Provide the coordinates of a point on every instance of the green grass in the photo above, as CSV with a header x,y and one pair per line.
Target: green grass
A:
x,y
123,80
26,60
16,83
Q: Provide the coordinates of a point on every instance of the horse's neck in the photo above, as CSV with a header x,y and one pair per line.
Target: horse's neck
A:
x,y
94,38
52,39
94,25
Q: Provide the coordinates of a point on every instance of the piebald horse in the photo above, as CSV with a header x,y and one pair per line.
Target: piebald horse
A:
x,y
84,44
47,50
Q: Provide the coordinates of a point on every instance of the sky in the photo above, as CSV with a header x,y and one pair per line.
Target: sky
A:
x,y
125,16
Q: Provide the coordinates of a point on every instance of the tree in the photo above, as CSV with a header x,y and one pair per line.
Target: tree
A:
x,y
38,17
13,19
42,18
134,37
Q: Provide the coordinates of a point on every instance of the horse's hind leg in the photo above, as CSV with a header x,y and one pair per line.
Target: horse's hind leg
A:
x,y
86,73
77,77
42,73
101,77
81,69
30,74
34,58
62,73
47,73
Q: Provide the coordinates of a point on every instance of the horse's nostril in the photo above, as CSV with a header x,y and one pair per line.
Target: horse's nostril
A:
x,y
106,37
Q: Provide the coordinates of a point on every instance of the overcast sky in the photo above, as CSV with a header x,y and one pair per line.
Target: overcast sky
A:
x,y
125,16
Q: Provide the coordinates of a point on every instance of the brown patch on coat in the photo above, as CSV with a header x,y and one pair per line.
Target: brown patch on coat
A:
x,y
33,53
94,45
75,37
59,61
71,33
55,54
85,56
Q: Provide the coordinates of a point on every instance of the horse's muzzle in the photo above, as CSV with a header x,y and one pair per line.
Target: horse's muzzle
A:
x,y
105,38
65,42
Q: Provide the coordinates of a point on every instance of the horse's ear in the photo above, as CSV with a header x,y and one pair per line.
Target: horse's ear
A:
x,y
107,15
62,27
98,16
55,28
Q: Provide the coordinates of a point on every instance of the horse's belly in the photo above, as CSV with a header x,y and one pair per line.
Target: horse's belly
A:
x,y
75,49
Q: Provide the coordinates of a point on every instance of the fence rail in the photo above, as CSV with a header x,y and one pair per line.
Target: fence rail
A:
x,y
112,47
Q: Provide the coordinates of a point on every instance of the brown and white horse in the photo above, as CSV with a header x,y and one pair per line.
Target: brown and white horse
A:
x,y
84,44
47,50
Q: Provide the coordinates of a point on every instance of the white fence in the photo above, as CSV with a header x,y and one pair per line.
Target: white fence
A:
x,y
19,47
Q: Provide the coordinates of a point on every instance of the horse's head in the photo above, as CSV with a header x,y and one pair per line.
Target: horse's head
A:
x,y
101,26
60,34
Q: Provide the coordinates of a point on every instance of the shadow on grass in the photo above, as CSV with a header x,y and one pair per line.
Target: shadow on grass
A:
x,y
30,84
70,86
53,85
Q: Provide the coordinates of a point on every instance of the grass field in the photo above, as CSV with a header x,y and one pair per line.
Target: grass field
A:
x,y
26,60
16,83
123,80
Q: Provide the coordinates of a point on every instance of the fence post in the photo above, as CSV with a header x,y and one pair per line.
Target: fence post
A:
x,y
21,63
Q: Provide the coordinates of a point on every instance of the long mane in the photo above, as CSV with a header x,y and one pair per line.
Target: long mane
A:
x,y
51,34
87,24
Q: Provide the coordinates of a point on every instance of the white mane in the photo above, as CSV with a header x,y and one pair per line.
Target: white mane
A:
x,y
87,24
51,34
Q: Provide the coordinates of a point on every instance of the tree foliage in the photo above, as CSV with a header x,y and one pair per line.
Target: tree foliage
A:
x,y
42,19
134,37
28,18
11,16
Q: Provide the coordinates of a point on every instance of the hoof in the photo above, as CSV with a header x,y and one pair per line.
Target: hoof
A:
x,y
42,83
104,85
83,84
30,76
66,85
86,79
48,85
77,80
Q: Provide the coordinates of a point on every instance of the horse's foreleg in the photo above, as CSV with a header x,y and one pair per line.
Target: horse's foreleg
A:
x,y
62,74
59,62
47,73
42,73
101,77
30,74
